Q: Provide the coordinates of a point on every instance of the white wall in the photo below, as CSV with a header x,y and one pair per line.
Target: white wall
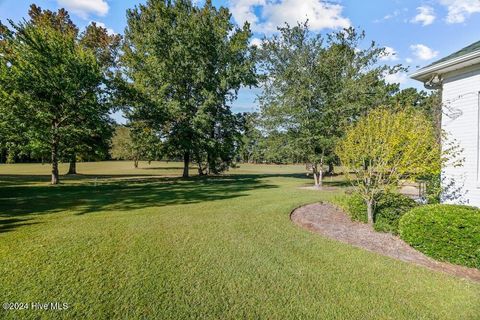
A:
x,y
460,119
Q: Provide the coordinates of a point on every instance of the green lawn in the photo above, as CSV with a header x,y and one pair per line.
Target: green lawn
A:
x,y
113,244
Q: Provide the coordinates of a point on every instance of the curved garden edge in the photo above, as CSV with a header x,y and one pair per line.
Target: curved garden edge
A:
x,y
331,222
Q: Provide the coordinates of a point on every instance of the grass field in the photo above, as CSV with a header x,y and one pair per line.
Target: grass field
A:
x,y
120,243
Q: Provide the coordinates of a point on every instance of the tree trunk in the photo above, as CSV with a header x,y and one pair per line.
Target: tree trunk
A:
x,y
135,163
331,168
186,164
370,212
55,178
200,169
209,165
73,165
318,176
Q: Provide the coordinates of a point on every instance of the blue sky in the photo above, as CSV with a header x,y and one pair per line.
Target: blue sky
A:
x,y
418,32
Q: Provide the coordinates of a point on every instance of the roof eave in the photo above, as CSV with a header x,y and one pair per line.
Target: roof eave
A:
x,y
467,60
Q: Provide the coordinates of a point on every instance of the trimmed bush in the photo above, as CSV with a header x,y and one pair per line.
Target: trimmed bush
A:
x,y
389,208
444,232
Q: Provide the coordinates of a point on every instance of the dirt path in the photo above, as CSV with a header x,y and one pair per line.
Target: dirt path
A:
x,y
333,223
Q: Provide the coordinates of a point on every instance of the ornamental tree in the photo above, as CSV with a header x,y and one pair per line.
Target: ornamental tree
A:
x,y
386,146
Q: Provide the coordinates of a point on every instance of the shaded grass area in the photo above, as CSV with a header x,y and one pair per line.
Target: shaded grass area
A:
x,y
123,195
123,246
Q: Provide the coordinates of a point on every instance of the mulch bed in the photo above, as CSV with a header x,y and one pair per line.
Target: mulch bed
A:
x,y
333,223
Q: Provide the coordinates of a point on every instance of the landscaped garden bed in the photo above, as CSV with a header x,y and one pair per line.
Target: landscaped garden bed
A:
x,y
332,222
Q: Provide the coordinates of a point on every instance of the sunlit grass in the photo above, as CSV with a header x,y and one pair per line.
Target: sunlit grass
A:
x,y
119,242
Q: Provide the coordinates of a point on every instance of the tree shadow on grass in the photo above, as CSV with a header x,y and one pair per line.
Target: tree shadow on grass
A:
x,y
121,195
11,224
24,197
22,179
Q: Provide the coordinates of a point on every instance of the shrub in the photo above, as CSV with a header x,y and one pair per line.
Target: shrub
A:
x,y
445,232
356,208
388,211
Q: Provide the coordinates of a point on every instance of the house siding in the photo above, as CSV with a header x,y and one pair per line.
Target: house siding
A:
x,y
460,120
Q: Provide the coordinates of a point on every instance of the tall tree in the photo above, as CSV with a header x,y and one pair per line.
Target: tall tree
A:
x,y
97,130
315,86
58,82
184,65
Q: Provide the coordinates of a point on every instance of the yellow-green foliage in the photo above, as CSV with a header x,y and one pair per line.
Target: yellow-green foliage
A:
x,y
386,146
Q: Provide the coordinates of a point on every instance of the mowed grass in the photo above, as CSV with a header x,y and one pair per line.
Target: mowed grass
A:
x,y
124,243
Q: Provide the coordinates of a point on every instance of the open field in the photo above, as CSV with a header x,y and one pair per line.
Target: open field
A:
x,y
116,242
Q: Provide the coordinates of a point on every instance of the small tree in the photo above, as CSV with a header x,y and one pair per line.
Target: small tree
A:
x,y
135,142
386,146
121,144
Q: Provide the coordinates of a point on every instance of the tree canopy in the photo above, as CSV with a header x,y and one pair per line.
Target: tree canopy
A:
x,y
386,146
54,86
175,76
313,86
184,66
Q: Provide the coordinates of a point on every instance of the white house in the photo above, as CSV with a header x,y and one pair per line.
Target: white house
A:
x,y
458,77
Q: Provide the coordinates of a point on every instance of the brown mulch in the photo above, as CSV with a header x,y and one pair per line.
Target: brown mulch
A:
x,y
333,223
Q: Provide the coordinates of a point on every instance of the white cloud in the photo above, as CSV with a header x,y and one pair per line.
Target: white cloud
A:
x,y
110,31
393,15
459,10
425,16
388,16
274,13
399,77
84,8
423,52
390,54
243,10
256,42
409,60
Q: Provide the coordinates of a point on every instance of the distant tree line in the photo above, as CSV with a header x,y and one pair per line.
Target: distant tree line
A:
x,y
174,74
